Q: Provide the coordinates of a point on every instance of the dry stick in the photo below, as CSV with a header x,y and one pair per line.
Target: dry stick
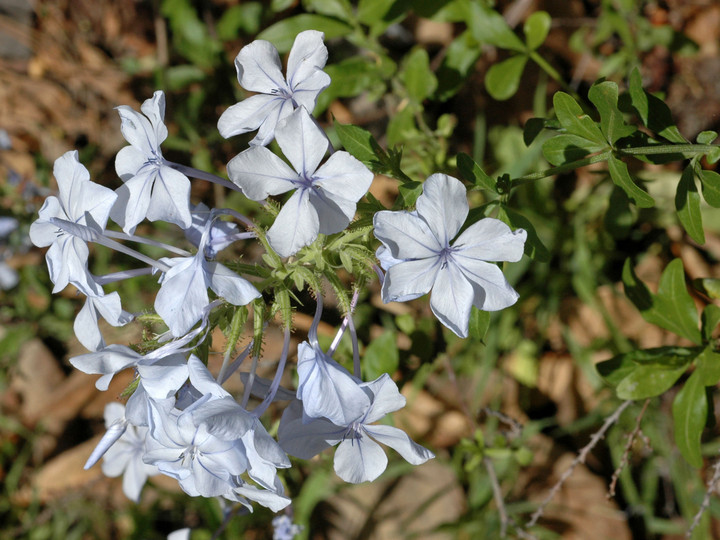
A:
x,y
498,495
515,426
597,436
711,487
626,453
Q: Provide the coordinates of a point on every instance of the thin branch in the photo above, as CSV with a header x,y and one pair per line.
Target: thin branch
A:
x,y
497,495
711,488
515,426
581,457
626,453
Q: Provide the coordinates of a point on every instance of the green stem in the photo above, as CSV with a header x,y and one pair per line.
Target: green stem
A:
x,y
597,158
547,68
669,149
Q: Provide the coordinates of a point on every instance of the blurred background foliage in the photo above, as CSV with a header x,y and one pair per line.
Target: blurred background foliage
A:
x,y
507,409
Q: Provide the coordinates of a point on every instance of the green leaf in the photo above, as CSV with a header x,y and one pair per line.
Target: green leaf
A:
x,y
565,148
348,78
604,96
417,77
536,29
621,177
617,368
282,34
488,26
358,142
460,57
479,323
182,76
672,307
708,286
708,365
706,137
410,191
651,380
333,8
473,173
503,79
652,110
574,120
674,301
687,204
710,181
401,127
381,356
245,18
689,411
534,248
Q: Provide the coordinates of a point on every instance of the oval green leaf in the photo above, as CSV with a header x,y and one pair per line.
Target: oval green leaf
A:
x,y
503,80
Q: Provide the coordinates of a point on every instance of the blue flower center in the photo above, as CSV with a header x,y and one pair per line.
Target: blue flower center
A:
x,y
446,255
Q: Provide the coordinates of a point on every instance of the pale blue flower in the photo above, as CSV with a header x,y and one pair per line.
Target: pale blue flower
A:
x,y
152,188
123,455
86,323
325,198
419,254
259,70
81,202
358,458
326,389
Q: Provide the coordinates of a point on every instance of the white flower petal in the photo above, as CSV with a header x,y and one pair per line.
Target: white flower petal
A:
x,y
452,298
410,279
306,440
305,92
258,67
266,132
182,296
128,162
154,109
334,213
307,55
137,130
133,199
406,235
171,198
327,390
398,440
387,398
491,240
343,176
296,226
359,459
260,173
443,205
492,292
228,285
302,142
249,114
42,232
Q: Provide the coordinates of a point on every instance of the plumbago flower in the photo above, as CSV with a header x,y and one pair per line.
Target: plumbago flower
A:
x,y
418,255
358,457
325,198
209,444
123,455
258,70
183,296
82,203
152,188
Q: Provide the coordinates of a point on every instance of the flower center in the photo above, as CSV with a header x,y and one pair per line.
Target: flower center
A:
x,y
446,256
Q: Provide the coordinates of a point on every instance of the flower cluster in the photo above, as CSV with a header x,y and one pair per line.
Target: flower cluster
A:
x,y
179,421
